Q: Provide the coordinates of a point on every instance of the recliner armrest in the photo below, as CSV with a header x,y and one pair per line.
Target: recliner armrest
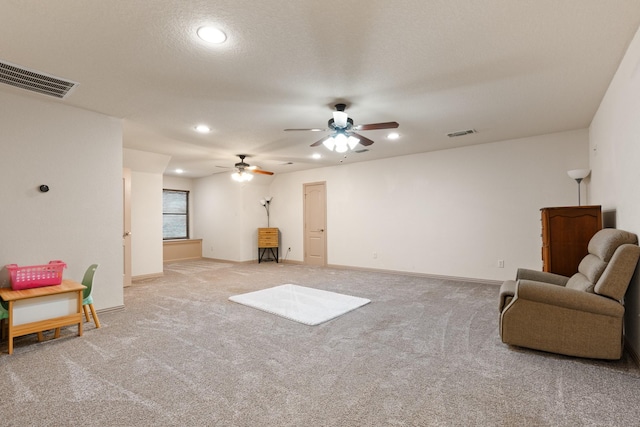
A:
x,y
507,292
541,276
568,298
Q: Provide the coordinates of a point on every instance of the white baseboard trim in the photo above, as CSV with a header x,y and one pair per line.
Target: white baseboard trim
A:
x,y
230,261
181,259
253,261
110,309
410,273
378,270
290,261
146,276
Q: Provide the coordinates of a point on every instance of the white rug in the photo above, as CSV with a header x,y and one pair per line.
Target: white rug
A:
x,y
298,303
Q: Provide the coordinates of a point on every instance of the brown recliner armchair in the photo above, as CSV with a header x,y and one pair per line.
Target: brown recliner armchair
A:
x,y
581,315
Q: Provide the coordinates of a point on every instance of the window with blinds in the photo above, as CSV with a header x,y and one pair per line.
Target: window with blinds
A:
x,y
175,214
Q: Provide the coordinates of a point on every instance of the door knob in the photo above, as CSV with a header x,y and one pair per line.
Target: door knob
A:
x,y
126,233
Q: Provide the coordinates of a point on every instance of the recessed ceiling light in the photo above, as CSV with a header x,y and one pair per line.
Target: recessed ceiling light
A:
x,y
393,135
179,171
211,35
203,128
316,156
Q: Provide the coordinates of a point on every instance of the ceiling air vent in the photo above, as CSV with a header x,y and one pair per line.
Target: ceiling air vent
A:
x,y
34,81
461,133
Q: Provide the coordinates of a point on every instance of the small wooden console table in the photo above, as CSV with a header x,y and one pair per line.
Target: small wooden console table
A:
x,y
268,240
42,309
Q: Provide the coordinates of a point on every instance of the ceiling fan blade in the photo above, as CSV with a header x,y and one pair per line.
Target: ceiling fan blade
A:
x,y
315,144
262,172
309,130
375,126
363,140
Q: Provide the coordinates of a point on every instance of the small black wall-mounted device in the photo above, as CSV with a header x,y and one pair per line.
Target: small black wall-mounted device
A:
x,y
44,188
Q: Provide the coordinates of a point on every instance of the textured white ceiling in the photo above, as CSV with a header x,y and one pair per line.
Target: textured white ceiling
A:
x,y
505,68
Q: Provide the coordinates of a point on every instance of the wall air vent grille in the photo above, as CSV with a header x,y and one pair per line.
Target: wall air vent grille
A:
x,y
364,150
34,81
461,133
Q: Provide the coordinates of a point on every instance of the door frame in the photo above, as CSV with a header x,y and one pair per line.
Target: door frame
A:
x,y
304,220
126,227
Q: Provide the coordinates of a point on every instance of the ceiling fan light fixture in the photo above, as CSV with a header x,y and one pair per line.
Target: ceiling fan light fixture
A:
x,y
341,141
341,148
344,136
340,119
241,176
330,143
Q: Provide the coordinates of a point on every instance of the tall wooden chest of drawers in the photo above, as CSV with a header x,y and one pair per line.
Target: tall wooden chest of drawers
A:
x,y
566,232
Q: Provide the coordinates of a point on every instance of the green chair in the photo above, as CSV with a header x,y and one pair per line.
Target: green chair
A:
x,y
87,281
87,300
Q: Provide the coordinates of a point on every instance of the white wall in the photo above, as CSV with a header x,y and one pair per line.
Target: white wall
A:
x,y
615,164
79,155
453,212
227,215
146,224
146,210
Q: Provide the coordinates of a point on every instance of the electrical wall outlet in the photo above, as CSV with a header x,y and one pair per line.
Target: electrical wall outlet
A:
x,y
500,263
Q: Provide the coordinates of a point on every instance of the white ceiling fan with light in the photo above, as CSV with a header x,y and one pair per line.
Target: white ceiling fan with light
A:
x,y
343,135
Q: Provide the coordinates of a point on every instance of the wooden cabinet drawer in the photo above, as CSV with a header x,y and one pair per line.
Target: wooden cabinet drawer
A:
x,y
268,237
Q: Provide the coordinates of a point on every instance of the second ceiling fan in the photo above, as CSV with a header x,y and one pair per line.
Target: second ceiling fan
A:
x,y
244,170
343,132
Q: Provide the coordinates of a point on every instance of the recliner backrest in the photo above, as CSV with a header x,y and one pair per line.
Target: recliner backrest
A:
x,y
602,247
604,243
613,283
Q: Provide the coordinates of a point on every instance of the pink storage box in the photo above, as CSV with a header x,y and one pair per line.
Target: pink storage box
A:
x,y
36,276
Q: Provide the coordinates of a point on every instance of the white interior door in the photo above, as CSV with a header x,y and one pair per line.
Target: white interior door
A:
x,y
315,224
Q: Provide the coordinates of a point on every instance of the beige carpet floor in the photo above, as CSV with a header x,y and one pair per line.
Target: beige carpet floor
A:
x,y
424,352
